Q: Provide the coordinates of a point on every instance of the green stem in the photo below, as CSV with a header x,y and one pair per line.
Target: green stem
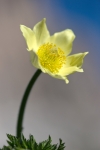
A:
x,y
24,101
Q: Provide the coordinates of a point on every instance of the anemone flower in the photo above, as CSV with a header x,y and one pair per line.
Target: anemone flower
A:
x,y
50,54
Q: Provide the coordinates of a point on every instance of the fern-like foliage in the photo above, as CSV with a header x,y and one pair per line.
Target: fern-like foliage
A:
x,y
15,143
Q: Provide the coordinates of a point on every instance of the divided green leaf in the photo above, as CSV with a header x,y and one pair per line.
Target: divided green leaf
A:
x,y
15,143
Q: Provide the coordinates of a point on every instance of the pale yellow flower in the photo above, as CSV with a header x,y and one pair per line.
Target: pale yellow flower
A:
x,y
51,53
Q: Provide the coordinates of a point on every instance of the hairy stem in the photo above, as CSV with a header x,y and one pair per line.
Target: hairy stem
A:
x,y
23,103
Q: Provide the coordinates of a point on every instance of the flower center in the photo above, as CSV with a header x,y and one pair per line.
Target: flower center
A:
x,y
51,57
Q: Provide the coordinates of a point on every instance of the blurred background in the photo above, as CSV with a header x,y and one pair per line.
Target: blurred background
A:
x,y
70,112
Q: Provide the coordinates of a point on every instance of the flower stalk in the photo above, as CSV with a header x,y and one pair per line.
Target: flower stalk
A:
x,y
23,103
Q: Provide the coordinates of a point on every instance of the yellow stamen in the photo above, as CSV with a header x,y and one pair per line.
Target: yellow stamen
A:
x,y
51,57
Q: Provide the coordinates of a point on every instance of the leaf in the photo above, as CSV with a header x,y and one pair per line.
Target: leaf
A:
x,y
22,143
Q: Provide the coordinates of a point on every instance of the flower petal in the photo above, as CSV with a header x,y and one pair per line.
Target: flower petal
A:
x,y
34,59
29,37
76,59
69,70
73,64
41,32
63,40
54,75
61,77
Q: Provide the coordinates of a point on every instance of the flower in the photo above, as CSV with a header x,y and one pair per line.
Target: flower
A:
x,y
51,53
